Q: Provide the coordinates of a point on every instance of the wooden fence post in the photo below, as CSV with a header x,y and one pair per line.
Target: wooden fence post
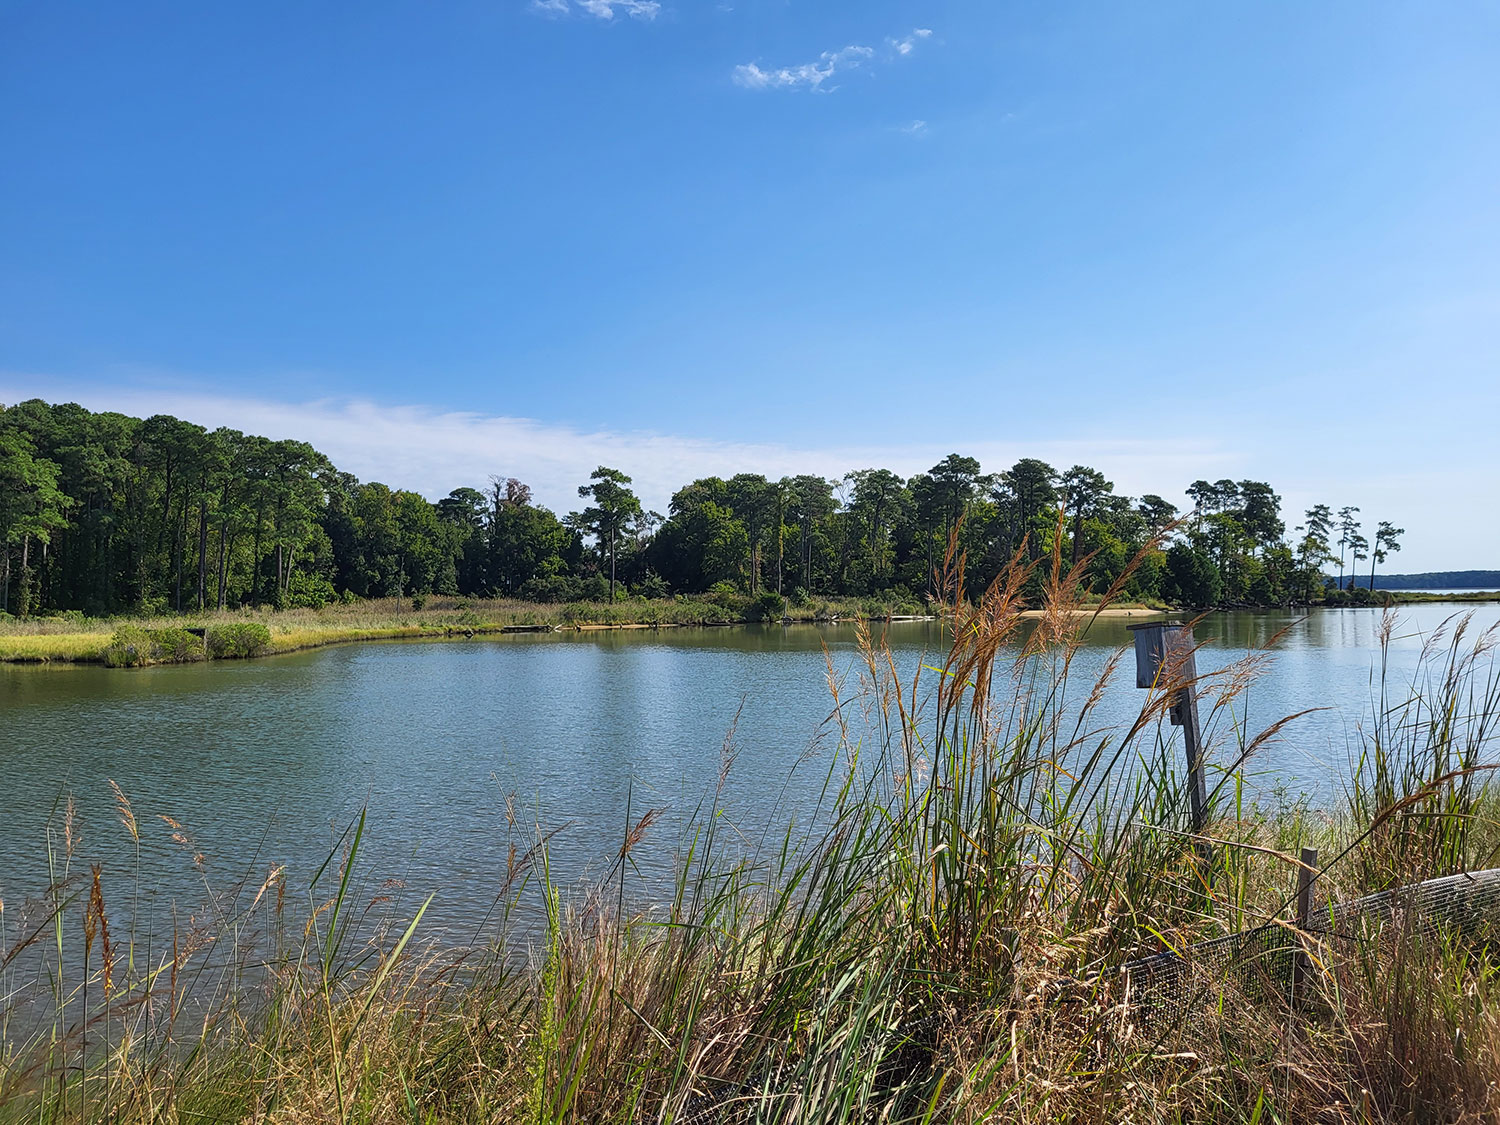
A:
x,y
1302,966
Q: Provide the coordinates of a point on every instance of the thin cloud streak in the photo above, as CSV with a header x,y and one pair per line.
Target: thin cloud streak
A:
x,y
635,9
814,75
645,10
808,75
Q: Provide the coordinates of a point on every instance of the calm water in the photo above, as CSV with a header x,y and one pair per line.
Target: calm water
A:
x,y
265,761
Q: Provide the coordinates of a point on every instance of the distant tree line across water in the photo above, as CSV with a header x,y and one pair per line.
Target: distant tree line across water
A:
x,y
105,513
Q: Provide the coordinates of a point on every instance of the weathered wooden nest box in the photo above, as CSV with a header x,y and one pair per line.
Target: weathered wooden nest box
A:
x,y
1163,649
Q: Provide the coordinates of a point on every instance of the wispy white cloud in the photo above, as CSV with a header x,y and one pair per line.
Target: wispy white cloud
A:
x,y
599,9
635,9
915,128
435,451
809,76
908,44
815,75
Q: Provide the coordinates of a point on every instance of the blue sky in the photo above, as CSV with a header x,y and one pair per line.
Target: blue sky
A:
x,y
446,240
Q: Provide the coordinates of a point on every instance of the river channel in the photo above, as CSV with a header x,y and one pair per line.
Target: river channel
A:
x,y
459,750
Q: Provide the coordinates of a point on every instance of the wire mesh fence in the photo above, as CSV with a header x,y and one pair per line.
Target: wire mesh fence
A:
x,y
1263,961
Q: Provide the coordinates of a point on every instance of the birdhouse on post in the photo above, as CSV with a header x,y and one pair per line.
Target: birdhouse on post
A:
x,y
1164,657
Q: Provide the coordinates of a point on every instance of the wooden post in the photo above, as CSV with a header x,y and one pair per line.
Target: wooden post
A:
x,y
1302,965
1186,715
1166,648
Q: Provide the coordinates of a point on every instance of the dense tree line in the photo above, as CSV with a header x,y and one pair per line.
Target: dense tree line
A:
x,y
105,513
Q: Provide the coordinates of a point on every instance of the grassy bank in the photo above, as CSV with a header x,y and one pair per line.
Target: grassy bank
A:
x,y
940,942
74,638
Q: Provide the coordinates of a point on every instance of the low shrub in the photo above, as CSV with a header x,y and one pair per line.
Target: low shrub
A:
x,y
242,639
178,646
130,647
308,591
768,607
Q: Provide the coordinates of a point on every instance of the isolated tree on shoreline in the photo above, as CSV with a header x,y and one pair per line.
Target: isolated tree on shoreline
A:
x,y
1387,541
1348,528
614,507
1358,546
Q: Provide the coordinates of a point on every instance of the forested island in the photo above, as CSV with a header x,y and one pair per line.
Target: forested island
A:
x,y
1440,580
102,513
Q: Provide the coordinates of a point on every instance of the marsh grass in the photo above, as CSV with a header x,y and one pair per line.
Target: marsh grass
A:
x,y
71,637
939,940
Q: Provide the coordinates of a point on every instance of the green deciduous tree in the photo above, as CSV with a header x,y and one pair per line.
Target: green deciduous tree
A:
x,y
107,513
1192,578
528,544
876,500
31,510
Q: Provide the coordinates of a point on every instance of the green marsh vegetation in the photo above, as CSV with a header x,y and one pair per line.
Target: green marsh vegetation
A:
x,y
134,641
939,942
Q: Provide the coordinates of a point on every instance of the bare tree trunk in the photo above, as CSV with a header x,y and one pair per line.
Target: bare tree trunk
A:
x,y
166,506
611,566
202,552
255,560
23,598
931,578
180,540
223,564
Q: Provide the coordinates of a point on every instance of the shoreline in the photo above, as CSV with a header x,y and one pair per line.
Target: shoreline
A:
x,y
88,646
452,619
